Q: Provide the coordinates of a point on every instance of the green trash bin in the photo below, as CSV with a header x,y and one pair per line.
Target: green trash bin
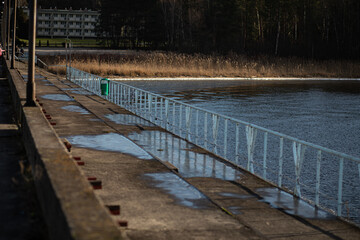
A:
x,y
104,85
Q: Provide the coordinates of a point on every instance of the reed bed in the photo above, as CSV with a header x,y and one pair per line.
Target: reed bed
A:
x,y
159,64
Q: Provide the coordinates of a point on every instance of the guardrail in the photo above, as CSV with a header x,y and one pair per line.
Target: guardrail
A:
x,y
321,176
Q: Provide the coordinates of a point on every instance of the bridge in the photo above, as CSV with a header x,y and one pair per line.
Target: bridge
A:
x,y
129,164
94,182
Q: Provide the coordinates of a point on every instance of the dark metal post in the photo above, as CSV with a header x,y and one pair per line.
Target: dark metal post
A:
x,y
66,54
3,27
68,46
30,87
8,30
14,35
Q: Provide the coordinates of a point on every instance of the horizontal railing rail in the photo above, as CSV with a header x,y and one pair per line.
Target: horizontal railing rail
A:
x,y
322,176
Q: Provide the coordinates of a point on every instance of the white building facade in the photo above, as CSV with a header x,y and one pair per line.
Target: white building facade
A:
x,y
62,23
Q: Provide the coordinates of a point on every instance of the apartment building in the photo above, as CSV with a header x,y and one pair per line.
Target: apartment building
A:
x,y
62,23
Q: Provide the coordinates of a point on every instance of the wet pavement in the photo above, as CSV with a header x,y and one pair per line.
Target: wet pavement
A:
x,y
183,192
200,197
73,108
186,157
128,119
57,97
109,142
291,205
78,91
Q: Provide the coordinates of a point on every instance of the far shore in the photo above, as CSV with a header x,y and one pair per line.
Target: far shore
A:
x,y
178,66
233,79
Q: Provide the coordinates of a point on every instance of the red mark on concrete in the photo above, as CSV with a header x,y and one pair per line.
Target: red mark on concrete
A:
x,y
123,223
114,209
96,184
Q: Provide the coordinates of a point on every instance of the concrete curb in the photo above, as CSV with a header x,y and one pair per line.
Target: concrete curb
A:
x,y
69,206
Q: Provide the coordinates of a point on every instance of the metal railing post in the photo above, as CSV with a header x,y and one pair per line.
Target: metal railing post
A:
x,y
251,139
180,120
298,153
318,169
167,114
340,187
205,130
281,159
265,155
188,122
225,136
237,143
215,130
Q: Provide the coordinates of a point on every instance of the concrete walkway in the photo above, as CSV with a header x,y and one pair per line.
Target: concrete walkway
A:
x,y
159,203
19,216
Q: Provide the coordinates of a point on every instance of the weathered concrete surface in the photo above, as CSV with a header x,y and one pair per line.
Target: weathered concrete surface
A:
x,y
19,218
220,210
70,208
150,212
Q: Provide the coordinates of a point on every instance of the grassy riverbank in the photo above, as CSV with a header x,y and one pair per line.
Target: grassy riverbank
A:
x,y
158,64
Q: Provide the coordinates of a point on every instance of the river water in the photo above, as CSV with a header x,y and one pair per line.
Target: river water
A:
x,y
326,113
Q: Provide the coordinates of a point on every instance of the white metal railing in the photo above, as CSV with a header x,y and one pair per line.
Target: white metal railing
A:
x,y
321,176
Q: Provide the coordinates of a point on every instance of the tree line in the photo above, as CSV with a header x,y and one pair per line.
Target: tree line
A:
x,y
310,28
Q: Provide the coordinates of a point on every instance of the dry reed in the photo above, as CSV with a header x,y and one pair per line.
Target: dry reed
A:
x,y
158,64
